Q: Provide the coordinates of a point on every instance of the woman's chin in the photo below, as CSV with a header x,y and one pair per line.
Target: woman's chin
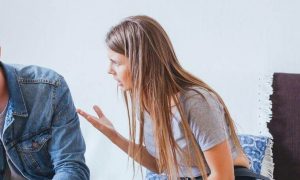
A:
x,y
121,87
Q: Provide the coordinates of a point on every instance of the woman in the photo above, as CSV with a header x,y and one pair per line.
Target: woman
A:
x,y
185,128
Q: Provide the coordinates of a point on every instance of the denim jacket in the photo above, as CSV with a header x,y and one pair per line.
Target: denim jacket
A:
x,y
41,132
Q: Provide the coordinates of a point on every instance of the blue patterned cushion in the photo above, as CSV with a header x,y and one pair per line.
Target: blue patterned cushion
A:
x,y
253,146
153,176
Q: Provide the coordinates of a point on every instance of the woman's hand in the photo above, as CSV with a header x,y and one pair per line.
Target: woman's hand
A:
x,y
106,127
101,123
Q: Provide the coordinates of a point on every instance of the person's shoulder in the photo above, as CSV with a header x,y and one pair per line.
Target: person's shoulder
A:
x,y
37,74
199,96
195,92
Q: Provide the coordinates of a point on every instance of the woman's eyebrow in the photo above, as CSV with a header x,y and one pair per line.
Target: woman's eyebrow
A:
x,y
114,61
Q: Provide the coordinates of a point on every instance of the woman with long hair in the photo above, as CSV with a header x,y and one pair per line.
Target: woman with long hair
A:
x,y
185,129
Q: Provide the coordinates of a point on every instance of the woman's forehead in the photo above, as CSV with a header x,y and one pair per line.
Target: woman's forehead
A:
x,y
115,56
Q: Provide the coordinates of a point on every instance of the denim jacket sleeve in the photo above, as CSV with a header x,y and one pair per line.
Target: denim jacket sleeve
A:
x,y
67,146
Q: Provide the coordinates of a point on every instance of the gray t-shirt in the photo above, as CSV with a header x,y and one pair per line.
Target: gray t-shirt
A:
x,y
206,119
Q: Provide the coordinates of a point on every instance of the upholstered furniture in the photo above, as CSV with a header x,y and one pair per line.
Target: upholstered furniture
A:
x,y
285,126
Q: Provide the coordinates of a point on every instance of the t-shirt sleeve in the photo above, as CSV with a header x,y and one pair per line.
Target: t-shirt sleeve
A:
x,y
206,119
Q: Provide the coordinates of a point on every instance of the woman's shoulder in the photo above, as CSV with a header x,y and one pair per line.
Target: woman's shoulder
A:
x,y
199,97
196,93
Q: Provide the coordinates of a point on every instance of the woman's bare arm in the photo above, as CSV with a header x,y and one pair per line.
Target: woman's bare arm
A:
x,y
105,126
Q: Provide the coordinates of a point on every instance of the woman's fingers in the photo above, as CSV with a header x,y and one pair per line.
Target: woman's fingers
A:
x,y
98,111
101,123
90,118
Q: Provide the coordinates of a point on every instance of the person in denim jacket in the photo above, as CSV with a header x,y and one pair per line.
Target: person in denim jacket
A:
x,y
40,131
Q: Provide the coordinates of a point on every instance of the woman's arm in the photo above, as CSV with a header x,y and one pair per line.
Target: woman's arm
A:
x,y
105,126
147,160
220,162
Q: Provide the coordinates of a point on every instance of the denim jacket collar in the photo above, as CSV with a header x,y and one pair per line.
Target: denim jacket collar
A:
x,y
14,90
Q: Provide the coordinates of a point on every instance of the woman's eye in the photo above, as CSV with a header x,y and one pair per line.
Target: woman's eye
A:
x,y
116,64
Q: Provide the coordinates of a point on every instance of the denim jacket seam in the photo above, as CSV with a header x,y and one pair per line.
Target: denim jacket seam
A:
x,y
37,81
54,103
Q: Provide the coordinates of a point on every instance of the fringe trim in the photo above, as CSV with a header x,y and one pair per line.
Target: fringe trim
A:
x,y
265,116
267,165
265,104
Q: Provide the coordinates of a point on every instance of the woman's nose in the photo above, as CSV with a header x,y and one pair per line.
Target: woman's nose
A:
x,y
110,70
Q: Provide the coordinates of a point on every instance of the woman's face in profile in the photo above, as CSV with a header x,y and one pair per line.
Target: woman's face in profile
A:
x,y
119,69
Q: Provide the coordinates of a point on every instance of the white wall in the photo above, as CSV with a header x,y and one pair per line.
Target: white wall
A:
x,y
229,44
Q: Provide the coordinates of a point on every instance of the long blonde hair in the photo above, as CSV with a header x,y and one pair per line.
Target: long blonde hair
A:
x,y
157,78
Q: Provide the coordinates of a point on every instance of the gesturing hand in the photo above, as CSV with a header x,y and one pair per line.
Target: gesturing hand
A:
x,y
101,123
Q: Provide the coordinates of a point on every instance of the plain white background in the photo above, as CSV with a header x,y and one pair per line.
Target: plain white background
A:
x,y
234,46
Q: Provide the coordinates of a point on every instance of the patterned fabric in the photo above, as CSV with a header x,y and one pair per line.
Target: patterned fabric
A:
x,y
9,114
153,176
253,146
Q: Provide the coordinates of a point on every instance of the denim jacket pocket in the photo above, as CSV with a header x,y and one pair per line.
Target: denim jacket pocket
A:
x,y
34,144
34,154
